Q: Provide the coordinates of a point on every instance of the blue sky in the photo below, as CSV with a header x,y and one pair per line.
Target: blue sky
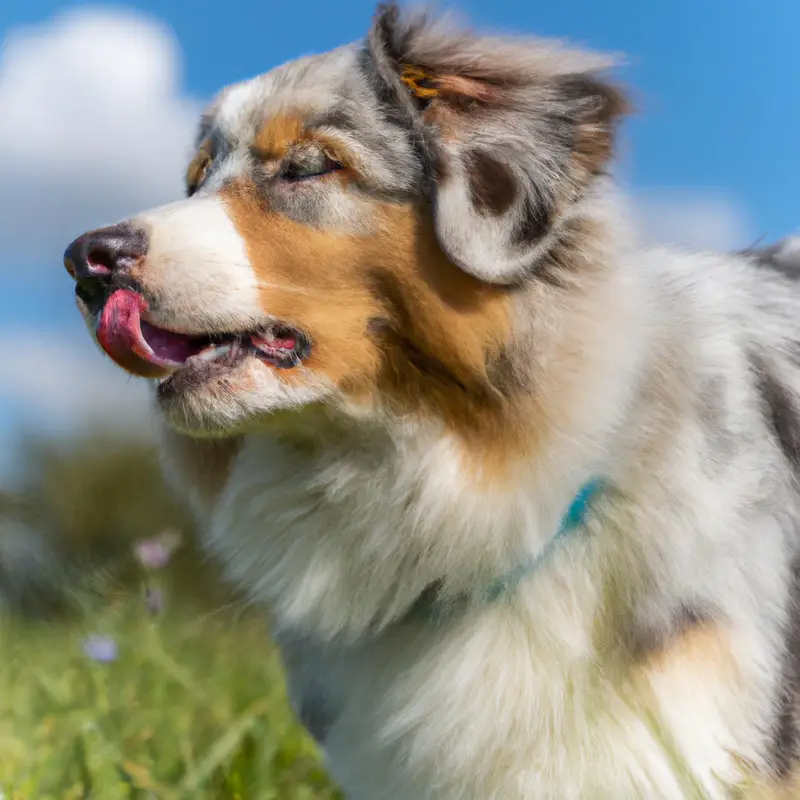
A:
x,y
717,80
712,156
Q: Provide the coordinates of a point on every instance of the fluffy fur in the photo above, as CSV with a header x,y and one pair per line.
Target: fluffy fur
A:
x,y
485,337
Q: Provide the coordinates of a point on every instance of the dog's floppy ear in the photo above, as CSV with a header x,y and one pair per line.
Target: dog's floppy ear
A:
x,y
512,132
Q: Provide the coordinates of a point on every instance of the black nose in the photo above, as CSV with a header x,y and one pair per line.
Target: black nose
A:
x,y
99,254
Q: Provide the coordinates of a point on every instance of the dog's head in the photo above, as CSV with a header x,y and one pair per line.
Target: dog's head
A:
x,y
357,227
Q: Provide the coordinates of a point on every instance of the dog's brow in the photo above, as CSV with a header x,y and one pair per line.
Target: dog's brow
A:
x,y
338,118
260,154
278,133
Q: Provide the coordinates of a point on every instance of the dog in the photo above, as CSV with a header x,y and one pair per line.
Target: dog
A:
x,y
518,493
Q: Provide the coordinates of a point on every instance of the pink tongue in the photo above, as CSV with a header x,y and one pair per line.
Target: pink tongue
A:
x,y
134,344
173,347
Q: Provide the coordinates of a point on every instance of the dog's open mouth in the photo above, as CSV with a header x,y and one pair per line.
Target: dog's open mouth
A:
x,y
149,351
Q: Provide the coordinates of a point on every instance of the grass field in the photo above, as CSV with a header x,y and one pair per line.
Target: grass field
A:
x,y
118,703
186,704
191,705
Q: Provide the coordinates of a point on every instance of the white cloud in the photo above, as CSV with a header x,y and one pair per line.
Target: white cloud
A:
x,y
692,219
93,128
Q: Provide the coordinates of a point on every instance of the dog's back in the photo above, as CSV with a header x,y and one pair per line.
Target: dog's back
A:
x,y
783,256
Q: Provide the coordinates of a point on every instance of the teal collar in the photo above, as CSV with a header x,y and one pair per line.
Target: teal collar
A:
x,y
430,609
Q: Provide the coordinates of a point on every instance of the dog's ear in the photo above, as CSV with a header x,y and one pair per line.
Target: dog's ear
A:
x,y
512,132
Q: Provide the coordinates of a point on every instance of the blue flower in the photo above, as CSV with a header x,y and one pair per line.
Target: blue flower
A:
x,y
100,648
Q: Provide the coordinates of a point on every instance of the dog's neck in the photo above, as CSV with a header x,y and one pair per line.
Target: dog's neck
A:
x,y
340,541
431,608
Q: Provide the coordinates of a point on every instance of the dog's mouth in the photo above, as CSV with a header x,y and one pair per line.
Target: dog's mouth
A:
x,y
149,351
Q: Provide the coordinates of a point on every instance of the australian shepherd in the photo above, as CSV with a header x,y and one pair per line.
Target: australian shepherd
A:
x,y
519,494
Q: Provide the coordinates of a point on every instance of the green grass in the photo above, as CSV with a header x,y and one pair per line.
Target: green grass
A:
x,y
192,707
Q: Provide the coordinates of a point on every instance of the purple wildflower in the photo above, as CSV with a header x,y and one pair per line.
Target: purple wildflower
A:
x,y
100,648
151,553
155,553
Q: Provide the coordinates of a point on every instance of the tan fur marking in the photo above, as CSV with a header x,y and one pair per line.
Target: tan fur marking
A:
x,y
786,789
454,88
466,88
391,318
697,672
701,650
419,82
278,134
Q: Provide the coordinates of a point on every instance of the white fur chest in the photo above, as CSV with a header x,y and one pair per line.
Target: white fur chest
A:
x,y
492,706
341,540
505,701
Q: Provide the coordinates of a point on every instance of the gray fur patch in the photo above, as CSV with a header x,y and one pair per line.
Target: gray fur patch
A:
x,y
315,714
780,408
783,257
648,638
785,748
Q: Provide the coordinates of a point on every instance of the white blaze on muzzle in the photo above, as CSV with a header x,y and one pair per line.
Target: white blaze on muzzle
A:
x,y
197,267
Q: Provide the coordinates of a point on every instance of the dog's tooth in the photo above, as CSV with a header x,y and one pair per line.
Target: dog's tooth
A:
x,y
264,338
214,352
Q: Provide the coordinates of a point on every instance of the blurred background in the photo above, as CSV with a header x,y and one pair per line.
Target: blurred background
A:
x,y
98,105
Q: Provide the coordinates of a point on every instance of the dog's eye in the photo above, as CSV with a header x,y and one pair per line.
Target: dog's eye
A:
x,y
197,172
309,164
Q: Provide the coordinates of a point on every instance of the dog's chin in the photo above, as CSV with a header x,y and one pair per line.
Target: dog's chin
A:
x,y
218,400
